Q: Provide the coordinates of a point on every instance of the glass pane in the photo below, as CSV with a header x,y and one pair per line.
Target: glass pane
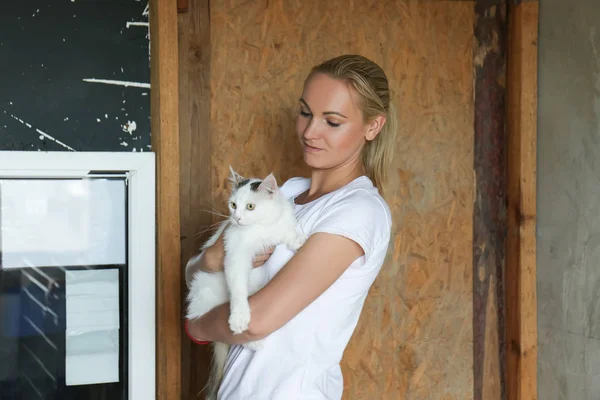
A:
x,y
63,289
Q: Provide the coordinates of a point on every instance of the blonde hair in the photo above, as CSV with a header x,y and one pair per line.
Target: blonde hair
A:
x,y
371,84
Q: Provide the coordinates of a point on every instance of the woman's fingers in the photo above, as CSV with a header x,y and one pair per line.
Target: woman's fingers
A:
x,y
261,258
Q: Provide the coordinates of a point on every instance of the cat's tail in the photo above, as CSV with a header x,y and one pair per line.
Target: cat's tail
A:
x,y
220,352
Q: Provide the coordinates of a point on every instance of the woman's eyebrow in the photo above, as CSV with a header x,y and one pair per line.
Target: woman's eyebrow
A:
x,y
305,105
325,113
336,113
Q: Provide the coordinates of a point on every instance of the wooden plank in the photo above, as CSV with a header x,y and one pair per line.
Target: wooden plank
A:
x,y
195,166
165,142
521,305
414,337
489,217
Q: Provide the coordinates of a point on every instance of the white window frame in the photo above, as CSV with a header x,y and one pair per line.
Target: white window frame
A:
x,y
140,170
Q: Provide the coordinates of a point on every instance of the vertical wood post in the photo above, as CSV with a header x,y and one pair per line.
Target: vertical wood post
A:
x,y
165,142
489,218
195,170
521,298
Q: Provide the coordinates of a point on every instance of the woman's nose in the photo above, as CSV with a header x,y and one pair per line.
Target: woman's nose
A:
x,y
312,130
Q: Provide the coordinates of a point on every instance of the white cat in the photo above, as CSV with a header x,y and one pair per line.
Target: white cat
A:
x,y
260,217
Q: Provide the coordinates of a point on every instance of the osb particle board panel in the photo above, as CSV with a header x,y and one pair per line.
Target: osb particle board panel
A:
x,y
414,339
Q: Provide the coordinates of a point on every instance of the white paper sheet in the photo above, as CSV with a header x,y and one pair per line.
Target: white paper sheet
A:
x,y
62,222
92,332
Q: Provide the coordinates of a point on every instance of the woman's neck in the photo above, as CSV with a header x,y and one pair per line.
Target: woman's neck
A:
x,y
326,181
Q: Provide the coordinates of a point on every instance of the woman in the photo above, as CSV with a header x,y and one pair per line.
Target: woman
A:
x,y
309,310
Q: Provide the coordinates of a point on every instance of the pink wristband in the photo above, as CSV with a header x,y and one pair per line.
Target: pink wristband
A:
x,y
187,332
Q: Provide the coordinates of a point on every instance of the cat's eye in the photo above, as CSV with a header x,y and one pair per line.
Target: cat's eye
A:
x,y
233,205
250,206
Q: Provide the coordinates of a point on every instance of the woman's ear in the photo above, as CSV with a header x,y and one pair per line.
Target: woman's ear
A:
x,y
374,127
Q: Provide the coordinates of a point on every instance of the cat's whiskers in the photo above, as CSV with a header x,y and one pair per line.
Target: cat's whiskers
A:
x,y
215,212
208,228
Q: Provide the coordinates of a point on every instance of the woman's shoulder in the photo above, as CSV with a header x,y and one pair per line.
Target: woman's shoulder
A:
x,y
361,198
358,212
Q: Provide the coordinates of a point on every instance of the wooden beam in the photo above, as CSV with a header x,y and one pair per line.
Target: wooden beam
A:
x,y
165,142
489,217
195,166
521,304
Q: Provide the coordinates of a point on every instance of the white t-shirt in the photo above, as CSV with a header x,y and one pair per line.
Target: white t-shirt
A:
x,y
301,359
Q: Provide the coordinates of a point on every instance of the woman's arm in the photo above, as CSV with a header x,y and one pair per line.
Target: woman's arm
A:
x,y
314,268
209,260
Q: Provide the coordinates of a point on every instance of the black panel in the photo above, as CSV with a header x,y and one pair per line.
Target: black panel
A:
x,y
32,338
47,49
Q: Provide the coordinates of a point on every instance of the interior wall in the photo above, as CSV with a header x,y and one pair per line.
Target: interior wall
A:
x,y
414,339
568,251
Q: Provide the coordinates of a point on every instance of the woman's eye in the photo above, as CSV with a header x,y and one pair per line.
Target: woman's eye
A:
x,y
250,206
305,114
233,205
333,124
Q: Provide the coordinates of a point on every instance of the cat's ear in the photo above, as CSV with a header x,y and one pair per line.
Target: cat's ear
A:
x,y
234,177
269,185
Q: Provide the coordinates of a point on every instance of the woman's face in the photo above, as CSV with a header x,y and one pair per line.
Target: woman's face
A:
x,y
330,125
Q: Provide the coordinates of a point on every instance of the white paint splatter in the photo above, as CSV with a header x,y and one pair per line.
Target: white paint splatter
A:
x,y
134,23
124,144
97,119
44,134
66,119
54,140
129,127
145,94
122,70
10,103
120,83
105,115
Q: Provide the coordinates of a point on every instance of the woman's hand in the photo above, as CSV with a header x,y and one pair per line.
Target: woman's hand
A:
x,y
211,260
262,258
216,256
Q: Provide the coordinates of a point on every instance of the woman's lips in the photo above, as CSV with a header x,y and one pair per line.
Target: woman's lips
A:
x,y
311,149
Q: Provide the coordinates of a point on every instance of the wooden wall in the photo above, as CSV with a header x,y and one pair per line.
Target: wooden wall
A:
x,y
242,77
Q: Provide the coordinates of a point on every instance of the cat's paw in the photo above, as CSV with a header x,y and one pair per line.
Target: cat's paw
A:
x,y
239,318
254,345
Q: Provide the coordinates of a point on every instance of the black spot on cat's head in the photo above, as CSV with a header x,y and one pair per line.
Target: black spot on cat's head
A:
x,y
254,185
243,183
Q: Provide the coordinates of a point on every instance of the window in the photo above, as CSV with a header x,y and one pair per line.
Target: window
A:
x,y
77,270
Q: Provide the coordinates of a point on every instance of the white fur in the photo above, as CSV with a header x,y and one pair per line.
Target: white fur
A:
x,y
249,230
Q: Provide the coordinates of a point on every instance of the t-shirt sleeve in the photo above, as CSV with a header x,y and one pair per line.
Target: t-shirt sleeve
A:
x,y
360,217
